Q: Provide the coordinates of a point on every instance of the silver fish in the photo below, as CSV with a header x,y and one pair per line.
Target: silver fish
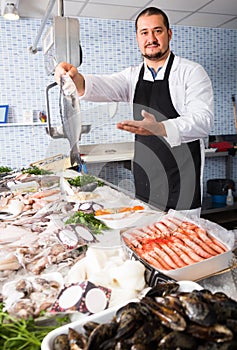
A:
x,y
71,120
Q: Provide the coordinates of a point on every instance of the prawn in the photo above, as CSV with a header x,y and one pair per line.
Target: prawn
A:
x,y
132,241
163,229
150,231
197,249
188,225
139,232
170,225
155,230
173,255
178,244
216,245
165,257
194,236
154,260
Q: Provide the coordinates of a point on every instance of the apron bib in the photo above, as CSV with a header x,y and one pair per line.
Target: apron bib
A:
x,y
165,177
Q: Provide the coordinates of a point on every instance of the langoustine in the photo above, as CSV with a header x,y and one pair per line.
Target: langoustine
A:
x,y
172,243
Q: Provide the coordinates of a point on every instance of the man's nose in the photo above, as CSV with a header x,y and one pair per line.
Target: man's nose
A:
x,y
152,37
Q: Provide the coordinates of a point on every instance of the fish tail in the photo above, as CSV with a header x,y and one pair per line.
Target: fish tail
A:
x,y
75,156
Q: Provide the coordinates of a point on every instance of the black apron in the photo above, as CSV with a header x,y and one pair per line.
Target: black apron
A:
x,y
165,177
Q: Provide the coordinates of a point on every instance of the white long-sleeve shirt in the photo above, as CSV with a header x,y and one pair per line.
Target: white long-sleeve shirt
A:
x,y
190,89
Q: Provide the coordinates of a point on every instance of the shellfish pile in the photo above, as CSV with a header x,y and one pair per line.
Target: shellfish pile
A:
x,y
163,319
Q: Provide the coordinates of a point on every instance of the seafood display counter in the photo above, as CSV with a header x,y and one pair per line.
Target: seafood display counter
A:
x,y
65,250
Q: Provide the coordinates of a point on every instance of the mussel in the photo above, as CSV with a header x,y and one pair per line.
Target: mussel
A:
x,y
216,333
162,289
100,334
178,340
167,316
198,310
61,342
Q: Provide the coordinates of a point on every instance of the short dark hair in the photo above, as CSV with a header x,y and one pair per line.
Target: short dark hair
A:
x,y
149,11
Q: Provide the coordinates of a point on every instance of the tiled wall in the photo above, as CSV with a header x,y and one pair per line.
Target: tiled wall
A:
x,y
108,46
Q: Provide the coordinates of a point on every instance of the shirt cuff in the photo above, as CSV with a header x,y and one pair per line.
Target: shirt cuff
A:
x,y
88,88
173,136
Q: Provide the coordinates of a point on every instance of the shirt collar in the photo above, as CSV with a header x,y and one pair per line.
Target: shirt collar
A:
x,y
148,74
153,72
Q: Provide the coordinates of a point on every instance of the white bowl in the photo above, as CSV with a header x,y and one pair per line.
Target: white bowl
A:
x,y
129,219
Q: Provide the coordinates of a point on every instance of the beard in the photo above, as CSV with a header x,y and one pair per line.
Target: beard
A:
x,y
155,56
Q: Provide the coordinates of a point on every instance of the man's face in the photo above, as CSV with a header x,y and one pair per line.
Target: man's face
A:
x,y
153,37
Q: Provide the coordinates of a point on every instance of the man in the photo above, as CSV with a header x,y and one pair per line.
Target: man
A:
x,y
173,111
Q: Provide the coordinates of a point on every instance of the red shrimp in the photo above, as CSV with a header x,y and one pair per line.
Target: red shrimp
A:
x,y
169,249
192,257
197,249
154,260
218,246
194,236
165,257
151,231
170,224
163,229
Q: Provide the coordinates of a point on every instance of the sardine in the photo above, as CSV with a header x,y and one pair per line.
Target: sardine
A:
x,y
71,118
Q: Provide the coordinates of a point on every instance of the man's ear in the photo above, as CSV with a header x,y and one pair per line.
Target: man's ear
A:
x,y
170,34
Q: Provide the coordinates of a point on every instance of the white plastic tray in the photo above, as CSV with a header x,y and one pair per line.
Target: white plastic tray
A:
x,y
129,219
102,317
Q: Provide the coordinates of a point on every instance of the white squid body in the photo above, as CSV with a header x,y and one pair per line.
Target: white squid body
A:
x,y
109,269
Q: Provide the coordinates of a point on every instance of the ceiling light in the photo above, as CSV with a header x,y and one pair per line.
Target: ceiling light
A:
x,y
10,12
